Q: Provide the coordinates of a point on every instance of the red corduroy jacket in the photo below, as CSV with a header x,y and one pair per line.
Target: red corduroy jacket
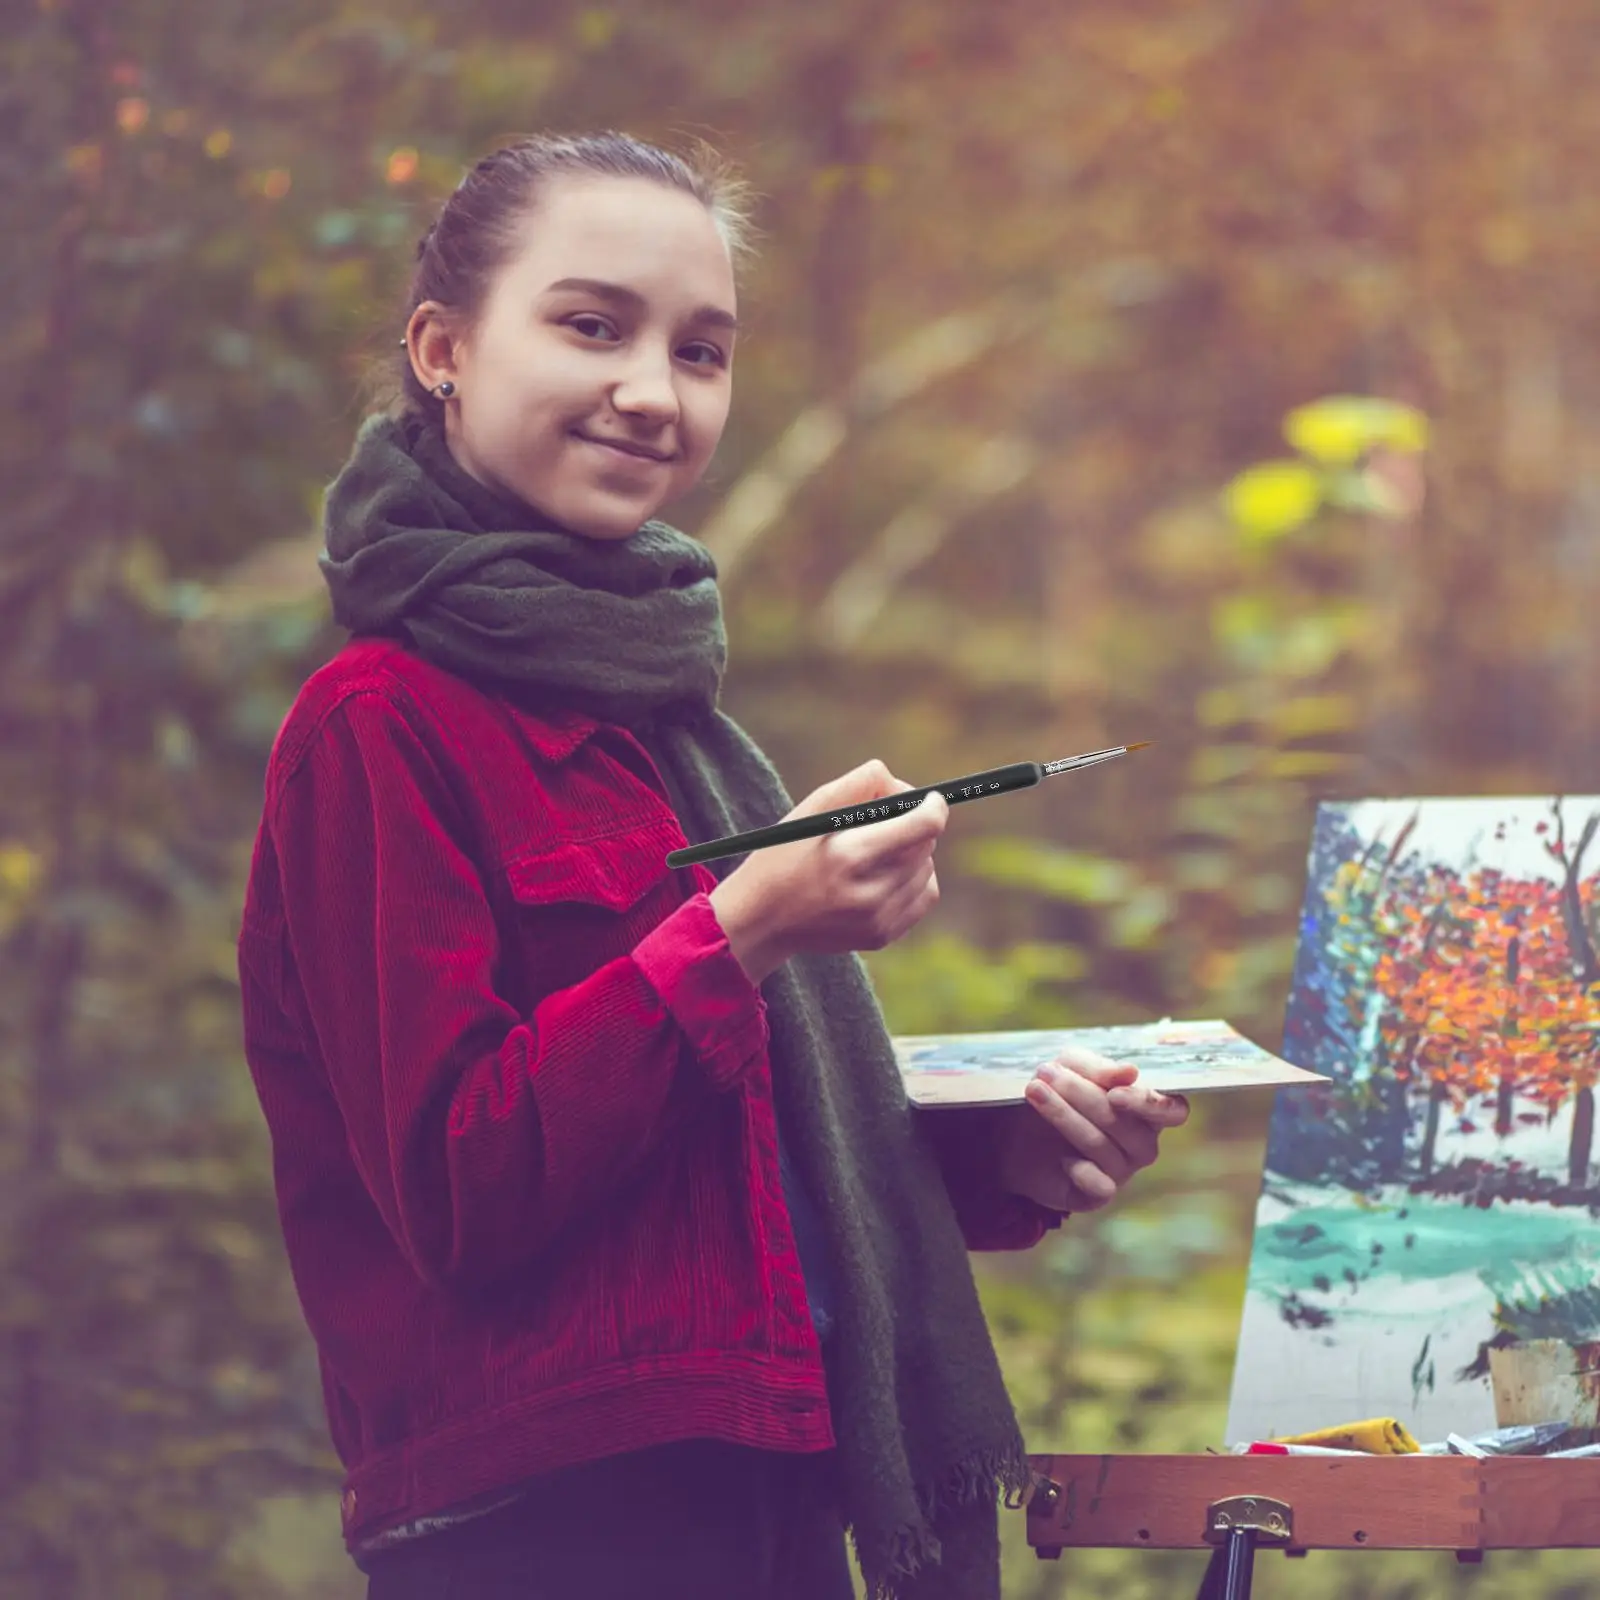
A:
x,y
519,1099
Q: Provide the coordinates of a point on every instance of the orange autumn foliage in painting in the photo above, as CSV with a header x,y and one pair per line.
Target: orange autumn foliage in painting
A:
x,y
1482,991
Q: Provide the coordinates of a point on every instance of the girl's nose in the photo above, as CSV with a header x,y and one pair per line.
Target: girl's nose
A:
x,y
647,389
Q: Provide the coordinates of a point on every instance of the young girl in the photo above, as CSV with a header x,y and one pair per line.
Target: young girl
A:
x,y
629,1268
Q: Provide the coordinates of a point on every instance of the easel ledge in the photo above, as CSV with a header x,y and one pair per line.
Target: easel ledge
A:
x,y
1169,1502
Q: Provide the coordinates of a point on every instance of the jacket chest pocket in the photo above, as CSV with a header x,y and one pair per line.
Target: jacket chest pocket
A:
x,y
581,904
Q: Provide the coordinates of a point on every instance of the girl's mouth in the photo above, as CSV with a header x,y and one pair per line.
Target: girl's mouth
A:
x,y
626,447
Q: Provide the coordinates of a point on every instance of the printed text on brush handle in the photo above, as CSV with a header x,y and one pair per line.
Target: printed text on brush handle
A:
x,y
1020,775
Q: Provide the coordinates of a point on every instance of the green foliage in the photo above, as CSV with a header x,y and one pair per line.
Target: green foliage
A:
x,y
945,984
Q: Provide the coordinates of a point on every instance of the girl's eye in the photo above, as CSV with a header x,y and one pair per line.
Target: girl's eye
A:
x,y
591,326
704,355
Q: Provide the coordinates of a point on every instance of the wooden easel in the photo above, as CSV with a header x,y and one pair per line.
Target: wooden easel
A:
x,y
1236,1505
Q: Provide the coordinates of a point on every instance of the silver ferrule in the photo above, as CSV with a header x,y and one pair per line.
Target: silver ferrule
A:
x,y
1093,758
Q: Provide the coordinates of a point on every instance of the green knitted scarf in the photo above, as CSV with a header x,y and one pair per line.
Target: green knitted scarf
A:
x,y
631,632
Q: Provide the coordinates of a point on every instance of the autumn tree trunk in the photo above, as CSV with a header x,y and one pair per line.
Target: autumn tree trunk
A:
x,y
1508,1078
1582,1139
1586,972
1430,1130
1403,1067
1504,1102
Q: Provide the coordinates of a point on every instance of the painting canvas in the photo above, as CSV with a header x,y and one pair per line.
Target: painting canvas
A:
x,y
1437,1197
964,1069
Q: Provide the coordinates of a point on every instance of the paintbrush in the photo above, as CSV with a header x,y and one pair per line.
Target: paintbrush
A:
x,y
979,786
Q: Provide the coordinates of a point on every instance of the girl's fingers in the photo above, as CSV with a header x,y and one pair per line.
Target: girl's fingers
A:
x,y
1098,1069
1136,1138
1151,1106
1112,1127
1118,1079
1069,1119
1090,1183
1085,1093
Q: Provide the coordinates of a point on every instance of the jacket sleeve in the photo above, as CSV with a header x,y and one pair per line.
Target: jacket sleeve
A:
x,y
479,1133
991,1218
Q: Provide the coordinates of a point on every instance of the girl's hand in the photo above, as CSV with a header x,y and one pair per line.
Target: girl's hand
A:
x,y
856,889
1085,1131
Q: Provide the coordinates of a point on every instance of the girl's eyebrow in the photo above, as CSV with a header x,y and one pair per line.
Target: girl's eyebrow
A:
x,y
630,300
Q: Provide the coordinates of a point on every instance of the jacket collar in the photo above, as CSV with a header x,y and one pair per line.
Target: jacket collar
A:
x,y
556,735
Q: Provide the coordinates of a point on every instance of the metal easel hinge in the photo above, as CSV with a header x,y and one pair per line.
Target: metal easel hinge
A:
x,y
1271,1521
1043,1491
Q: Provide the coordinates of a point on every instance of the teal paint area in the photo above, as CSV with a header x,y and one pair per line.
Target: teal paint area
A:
x,y
1343,1241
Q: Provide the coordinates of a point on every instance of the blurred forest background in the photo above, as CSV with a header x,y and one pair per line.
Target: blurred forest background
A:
x,y
1021,464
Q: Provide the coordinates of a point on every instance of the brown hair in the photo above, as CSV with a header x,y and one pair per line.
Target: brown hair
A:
x,y
476,230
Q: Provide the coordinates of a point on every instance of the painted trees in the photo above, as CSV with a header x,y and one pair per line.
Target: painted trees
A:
x,y
1489,989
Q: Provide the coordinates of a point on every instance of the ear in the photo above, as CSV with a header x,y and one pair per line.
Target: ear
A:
x,y
434,345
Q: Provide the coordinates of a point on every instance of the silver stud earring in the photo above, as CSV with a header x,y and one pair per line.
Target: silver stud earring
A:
x,y
444,390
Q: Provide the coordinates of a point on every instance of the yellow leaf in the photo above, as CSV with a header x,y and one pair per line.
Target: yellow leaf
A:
x,y
1340,429
1223,708
1220,763
1272,499
1316,713
1306,764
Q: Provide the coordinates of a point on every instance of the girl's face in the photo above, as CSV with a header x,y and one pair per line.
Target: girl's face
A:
x,y
595,384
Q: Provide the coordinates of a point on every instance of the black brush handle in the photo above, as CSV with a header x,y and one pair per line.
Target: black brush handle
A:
x,y
999,780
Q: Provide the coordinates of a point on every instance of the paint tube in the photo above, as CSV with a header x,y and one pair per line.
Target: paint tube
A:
x,y
1525,1439
1271,1447
1377,1436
